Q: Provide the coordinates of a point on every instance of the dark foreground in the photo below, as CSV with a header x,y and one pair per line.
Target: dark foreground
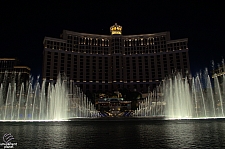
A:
x,y
117,133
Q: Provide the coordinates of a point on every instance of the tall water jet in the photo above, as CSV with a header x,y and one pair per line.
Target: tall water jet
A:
x,y
28,103
201,97
209,96
21,94
58,101
177,97
194,97
219,97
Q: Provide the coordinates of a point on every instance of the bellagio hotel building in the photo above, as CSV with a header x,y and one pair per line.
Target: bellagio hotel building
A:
x,y
111,62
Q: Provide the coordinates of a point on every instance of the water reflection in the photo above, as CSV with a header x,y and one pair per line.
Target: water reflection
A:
x,y
183,134
118,134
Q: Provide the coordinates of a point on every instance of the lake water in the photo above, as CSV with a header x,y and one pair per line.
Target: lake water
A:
x,y
116,134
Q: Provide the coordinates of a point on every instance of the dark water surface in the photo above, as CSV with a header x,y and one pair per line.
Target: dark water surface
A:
x,y
117,134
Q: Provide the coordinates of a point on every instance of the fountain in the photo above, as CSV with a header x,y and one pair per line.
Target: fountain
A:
x,y
178,97
47,102
181,97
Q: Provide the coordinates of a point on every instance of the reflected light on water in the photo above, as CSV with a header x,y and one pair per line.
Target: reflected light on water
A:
x,y
205,133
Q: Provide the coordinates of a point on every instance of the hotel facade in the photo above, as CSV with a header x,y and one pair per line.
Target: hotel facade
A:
x,y
111,62
12,72
10,68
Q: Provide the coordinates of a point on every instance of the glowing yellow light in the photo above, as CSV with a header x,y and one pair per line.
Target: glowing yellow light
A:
x,y
116,29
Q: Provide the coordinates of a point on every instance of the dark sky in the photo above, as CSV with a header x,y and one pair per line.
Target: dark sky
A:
x,y
24,25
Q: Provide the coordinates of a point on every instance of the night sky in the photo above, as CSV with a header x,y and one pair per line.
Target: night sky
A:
x,y
24,25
